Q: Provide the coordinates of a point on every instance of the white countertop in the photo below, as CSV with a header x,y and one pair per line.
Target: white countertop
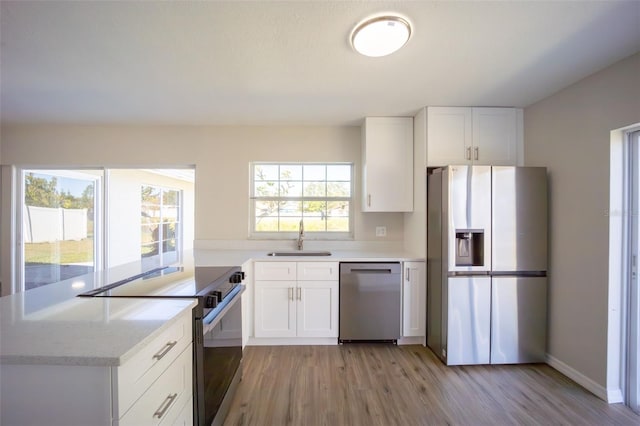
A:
x,y
218,257
82,331
49,325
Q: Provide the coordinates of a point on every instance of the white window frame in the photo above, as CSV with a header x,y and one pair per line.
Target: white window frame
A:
x,y
284,235
98,235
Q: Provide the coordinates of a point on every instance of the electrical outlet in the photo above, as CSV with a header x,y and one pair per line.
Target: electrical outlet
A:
x,y
381,231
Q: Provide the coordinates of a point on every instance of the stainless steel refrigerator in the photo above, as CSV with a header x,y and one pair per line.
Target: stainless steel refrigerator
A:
x,y
487,264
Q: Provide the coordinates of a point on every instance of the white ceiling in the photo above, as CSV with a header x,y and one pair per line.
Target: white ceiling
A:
x,y
275,63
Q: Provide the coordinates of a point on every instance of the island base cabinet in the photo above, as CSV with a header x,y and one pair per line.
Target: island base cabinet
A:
x,y
65,395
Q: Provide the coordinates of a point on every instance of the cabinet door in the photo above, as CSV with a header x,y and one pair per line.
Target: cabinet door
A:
x,y
271,271
317,271
495,135
387,157
275,312
414,299
317,308
449,136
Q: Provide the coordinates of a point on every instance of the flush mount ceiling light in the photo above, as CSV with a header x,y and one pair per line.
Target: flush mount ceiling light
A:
x,y
380,36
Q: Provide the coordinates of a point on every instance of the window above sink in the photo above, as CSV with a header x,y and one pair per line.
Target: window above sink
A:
x,y
319,194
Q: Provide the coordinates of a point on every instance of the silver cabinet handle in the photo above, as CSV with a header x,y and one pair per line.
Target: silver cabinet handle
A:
x,y
468,154
369,200
408,276
165,350
476,152
299,293
165,406
290,290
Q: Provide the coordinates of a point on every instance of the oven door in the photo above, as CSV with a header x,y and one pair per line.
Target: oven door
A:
x,y
222,357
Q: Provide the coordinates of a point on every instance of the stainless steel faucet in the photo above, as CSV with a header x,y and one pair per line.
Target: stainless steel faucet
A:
x,y
301,235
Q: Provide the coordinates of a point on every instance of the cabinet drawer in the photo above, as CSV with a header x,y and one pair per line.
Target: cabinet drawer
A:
x,y
135,376
163,402
317,271
275,271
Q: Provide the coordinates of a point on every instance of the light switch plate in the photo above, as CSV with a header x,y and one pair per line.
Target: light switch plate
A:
x,y
381,231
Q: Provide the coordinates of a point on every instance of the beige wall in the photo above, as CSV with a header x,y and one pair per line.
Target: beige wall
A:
x,y
569,134
221,156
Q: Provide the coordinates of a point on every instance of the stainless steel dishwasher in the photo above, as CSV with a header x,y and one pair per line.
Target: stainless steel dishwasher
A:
x,y
370,302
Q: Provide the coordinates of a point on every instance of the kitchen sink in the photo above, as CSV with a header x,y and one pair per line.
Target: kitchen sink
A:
x,y
299,253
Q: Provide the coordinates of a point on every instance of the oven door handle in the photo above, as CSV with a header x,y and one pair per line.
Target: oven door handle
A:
x,y
209,325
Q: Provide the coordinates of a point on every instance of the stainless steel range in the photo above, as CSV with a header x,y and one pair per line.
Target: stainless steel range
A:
x,y
217,327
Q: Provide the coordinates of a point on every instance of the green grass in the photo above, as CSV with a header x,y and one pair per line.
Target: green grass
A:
x,y
61,252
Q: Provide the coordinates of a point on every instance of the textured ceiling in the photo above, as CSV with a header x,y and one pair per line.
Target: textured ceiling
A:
x,y
264,63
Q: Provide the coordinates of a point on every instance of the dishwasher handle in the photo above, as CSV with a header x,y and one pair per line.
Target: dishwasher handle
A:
x,y
371,271
382,268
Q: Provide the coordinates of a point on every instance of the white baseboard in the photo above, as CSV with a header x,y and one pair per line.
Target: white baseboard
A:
x,y
418,340
612,396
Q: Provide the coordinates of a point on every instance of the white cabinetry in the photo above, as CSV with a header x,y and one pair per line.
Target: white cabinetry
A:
x,y
482,136
387,164
152,387
296,299
414,299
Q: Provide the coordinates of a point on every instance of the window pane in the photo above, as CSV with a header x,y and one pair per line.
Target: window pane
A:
x,y
266,172
291,208
169,231
290,224
339,172
315,172
169,245
169,214
149,250
338,208
266,189
58,225
315,209
338,224
267,224
170,198
315,189
150,195
266,208
290,189
290,172
149,234
314,224
338,189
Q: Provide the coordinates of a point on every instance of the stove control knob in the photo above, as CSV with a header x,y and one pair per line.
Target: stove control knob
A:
x,y
218,295
236,278
210,301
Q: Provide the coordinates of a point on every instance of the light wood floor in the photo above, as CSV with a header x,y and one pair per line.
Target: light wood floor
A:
x,y
374,384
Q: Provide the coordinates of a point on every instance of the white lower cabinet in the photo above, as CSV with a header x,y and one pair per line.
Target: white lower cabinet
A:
x,y
414,299
153,387
161,404
296,299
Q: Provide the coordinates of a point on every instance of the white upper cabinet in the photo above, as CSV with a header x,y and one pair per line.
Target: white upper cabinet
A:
x,y
480,136
387,164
